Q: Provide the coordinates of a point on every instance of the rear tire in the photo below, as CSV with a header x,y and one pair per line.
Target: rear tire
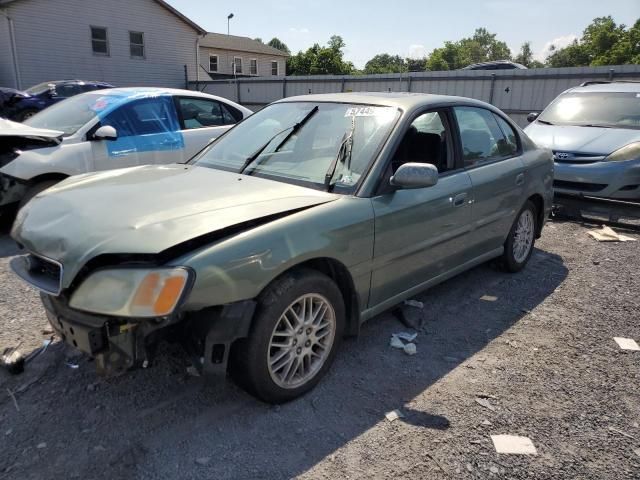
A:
x,y
518,247
294,337
35,190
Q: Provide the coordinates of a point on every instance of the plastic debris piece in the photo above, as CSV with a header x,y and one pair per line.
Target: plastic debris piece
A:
x,y
396,342
73,365
414,303
488,298
486,423
607,234
409,337
485,403
513,444
410,349
394,415
627,343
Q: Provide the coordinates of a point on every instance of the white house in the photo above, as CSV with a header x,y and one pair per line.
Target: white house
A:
x,y
227,56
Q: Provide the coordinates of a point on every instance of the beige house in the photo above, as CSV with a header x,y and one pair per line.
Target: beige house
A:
x,y
229,56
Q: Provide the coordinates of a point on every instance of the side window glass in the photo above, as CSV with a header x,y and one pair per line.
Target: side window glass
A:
x,y
143,117
65,91
510,146
425,142
481,137
227,118
200,113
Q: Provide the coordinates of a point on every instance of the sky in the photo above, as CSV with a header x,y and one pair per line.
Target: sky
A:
x,y
410,28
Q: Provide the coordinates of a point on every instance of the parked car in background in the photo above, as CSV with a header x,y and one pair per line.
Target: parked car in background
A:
x,y
495,65
103,130
594,132
311,216
17,105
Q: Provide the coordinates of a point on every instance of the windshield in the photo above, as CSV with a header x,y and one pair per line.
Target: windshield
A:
x,y
299,142
71,114
39,88
606,109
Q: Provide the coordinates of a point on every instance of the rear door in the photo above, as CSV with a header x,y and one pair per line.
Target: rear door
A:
x,y
202,120
421,233
491,153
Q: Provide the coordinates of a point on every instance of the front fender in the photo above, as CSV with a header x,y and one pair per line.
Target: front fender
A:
x,y
240,267
66,159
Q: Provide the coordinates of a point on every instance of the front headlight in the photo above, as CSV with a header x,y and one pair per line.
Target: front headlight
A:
x,y
628,152
131,292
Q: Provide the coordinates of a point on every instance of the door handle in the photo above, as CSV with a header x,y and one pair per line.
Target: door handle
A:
x,y
520,179
459,199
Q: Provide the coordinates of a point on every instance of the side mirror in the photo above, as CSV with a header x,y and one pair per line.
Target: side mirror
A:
x,y
532,116
415,175
106,132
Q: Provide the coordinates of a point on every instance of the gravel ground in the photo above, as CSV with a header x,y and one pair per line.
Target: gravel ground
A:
x,y
540,357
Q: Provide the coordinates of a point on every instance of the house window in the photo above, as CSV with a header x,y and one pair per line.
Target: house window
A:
x,y
99,41
253,66
136,44
213,63
274,68
237,62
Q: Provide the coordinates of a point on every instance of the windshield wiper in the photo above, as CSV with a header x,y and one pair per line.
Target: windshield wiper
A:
x,y
544,122
344,155
294,128
597,125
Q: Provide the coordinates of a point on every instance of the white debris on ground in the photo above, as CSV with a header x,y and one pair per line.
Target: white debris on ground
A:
x,y
513,444
627,343
488,298
394,415
398,341
607,234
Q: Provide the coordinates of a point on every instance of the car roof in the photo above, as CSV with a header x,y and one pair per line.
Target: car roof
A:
x,y
403,100
621,87
155,91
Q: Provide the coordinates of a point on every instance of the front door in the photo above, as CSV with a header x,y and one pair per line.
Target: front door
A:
x,y
148,133
492,158
421,233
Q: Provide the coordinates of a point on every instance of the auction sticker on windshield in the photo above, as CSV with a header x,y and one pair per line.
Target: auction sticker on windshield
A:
x,y
366,111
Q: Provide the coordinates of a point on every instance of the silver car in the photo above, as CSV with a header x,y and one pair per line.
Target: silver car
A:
x,y
594,132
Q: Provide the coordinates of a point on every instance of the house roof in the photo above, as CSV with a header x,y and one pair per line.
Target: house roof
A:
x,y
241,44
162,3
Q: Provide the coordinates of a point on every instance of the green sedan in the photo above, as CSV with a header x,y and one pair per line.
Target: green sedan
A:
x,y
285,234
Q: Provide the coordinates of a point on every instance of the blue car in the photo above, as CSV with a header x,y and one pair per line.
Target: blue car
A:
x,y
19,105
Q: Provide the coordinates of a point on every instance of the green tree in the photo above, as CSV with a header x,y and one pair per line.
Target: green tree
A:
x,y
525,57
321,60
416,64
385,63
275,42
258,39
482,46
603,42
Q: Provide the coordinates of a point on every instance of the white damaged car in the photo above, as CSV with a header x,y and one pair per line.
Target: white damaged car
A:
x,y
104,130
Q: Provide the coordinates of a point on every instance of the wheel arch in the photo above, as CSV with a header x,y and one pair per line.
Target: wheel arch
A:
x,y
45,177
538,202
339,273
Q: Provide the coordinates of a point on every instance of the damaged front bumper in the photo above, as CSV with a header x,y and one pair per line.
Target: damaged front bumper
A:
x,y
119,344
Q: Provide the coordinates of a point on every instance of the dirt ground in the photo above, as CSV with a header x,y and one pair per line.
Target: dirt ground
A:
x,y
541,354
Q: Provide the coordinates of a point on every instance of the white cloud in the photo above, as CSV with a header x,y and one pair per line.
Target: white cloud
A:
x,y
298,30
559,42
417,51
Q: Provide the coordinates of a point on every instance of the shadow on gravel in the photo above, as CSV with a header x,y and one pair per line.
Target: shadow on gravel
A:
x,y
161,423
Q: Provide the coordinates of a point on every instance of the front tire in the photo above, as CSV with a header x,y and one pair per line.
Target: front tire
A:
x,y
294,337
518,247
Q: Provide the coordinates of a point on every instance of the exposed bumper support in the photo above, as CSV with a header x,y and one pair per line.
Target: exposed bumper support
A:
x,y
574,205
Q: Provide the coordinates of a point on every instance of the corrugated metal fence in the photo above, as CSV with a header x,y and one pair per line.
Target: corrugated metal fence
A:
x,y
516,92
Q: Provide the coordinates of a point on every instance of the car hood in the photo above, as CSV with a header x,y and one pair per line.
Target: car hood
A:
x,y
146,210
9,128
588,140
